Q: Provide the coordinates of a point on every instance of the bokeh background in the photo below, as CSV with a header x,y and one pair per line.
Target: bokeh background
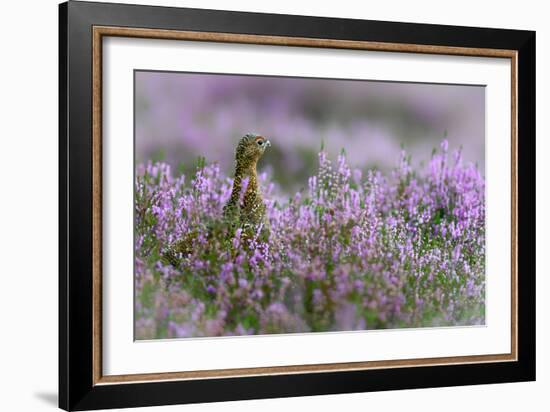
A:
x,y
180,116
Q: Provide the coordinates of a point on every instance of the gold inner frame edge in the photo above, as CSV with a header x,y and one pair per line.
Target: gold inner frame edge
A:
x,y
98,32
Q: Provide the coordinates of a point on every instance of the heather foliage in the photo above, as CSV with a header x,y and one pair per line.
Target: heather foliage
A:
x,y
355,250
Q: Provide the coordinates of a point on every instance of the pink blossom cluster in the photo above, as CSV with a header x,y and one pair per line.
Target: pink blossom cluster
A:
x,y
353,250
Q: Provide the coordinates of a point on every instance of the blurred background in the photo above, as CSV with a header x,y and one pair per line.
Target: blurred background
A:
x,y
180,116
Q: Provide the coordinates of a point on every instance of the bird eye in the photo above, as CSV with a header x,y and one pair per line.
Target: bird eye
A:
x,y
260,142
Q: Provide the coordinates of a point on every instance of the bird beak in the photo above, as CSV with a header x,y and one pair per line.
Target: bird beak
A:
x,y
267,143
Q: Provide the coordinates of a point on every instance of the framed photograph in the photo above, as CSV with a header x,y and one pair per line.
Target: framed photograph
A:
x,y
256,205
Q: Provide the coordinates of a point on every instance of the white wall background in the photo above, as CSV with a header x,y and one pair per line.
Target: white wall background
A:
x,y
28,204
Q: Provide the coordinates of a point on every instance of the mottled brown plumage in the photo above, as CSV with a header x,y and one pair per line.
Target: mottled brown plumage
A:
x,y
247,210
250,149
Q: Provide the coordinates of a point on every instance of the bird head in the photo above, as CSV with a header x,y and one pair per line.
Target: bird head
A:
x,y
251,147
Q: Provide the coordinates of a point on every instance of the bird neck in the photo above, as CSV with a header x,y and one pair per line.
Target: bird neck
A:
x,y
245,169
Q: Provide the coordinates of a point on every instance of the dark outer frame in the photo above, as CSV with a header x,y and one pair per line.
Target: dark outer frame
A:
x,y
78,390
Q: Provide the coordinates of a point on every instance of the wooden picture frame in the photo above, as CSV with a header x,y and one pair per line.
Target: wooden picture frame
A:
x,y
82,385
